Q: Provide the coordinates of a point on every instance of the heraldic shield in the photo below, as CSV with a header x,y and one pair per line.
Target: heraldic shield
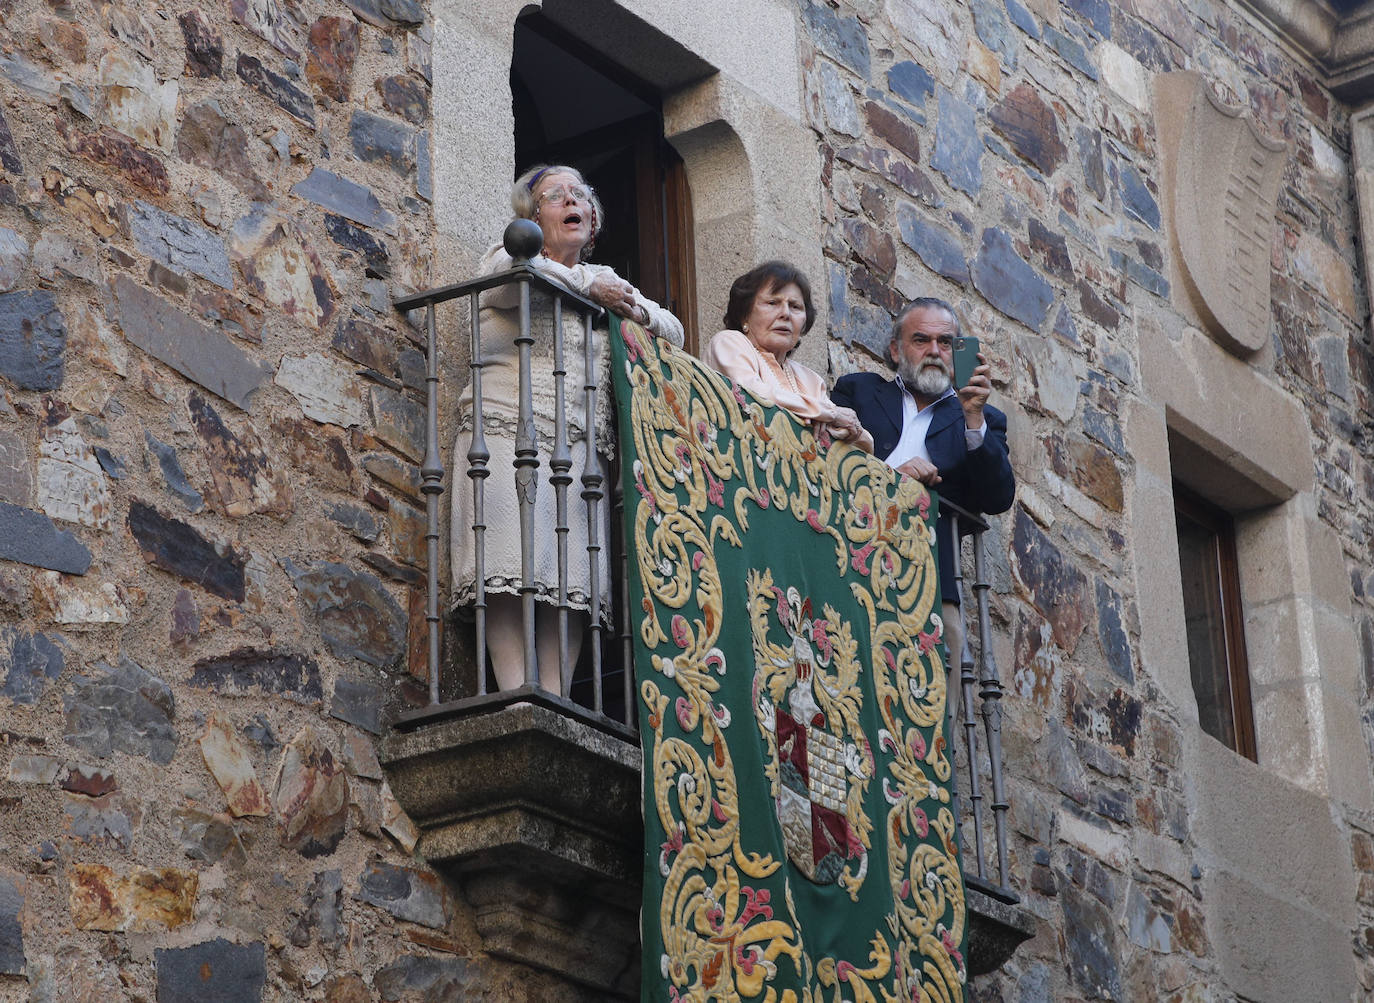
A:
x,y
816,761
1224,194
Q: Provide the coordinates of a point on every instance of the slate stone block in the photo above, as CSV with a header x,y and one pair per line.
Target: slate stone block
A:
x,y
404,477
396,572
1136,198
1097,13
31,538
406,529
357,616
373,251
323,911
177,547
892,130
839,37
1140,273
387,14
12,959
405,893
424,168
379,140
240,470
183,246
1052,248
333,52
1008,282
311,796
209,139
112,149
1030,125
122,709
30,662
172,473
993,29
1092,948
196,351
14,258
347,198
204,46
9,152
1147,47
1022,18
910,82
1058,589
358,702
288,96
1065,327
111,464
244,671
16,469
958,147
366,344
1071,50
33,339
937,247
405,96
399,422
215,971
429,977
358,521
1111,633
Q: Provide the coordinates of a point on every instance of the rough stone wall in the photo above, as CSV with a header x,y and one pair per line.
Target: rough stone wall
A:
x,y
210,523
1003,154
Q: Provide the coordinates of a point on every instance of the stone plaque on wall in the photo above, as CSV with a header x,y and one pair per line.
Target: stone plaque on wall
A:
x,y
1221,183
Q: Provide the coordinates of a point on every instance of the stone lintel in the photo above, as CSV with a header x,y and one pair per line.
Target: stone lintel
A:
x,y
1224,416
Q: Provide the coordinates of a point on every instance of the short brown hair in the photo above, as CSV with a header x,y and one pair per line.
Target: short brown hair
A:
x,y
768,276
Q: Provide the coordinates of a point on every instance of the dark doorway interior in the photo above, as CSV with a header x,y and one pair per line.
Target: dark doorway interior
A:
x,y
574,105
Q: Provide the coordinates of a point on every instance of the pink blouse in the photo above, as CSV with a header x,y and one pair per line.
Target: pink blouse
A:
x,y
796,388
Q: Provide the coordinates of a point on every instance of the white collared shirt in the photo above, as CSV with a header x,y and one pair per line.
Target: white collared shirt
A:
x,y
915,425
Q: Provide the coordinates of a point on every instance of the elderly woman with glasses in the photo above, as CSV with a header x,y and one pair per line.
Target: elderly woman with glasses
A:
x,y
768,311
568,212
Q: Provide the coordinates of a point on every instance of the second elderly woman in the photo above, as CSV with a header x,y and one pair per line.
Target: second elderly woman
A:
x,y
768,311
570,216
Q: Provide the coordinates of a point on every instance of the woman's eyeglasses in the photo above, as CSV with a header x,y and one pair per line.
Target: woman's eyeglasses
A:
x,y
562,196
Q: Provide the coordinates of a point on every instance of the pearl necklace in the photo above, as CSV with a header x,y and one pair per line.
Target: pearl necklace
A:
x,y
770,362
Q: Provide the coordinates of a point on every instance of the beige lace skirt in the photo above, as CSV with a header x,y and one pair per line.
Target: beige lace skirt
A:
x,y
502,548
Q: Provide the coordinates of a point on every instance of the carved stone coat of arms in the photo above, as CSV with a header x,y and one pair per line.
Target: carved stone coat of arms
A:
x,y
1221,183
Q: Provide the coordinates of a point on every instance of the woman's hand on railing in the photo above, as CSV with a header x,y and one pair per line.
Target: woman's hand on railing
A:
x,y
617,296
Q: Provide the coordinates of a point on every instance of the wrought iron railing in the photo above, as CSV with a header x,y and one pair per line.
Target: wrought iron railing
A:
x,y
976,668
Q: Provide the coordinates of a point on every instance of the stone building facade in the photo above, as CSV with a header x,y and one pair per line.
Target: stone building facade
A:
x,y
211,531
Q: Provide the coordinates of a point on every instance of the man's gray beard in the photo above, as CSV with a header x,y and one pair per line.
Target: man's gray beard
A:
x,y
928,380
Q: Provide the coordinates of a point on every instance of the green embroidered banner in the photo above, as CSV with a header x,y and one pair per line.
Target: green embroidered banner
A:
x,y
800,843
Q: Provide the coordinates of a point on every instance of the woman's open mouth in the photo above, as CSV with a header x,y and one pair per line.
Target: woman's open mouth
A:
x,y
573,219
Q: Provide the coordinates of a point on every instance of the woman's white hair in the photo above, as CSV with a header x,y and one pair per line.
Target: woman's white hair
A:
x,y
523,202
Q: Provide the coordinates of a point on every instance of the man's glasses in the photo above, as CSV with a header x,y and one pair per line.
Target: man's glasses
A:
x,y
562,196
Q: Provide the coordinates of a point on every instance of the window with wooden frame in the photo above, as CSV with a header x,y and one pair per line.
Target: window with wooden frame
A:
x,y
1214,621
574,105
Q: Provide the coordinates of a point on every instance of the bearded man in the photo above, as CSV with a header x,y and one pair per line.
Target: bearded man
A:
x,y
948,438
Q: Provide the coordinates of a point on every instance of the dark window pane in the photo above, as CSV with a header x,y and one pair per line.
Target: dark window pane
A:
x,y
1206,629
1210,577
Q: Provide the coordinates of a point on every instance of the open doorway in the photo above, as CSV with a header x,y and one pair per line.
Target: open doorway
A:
x,y
574,105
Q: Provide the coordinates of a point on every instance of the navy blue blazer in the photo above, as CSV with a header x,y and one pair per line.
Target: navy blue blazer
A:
x,y
978,480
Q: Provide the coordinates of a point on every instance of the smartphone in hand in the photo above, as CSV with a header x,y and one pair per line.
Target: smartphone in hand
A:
x,y
965,360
